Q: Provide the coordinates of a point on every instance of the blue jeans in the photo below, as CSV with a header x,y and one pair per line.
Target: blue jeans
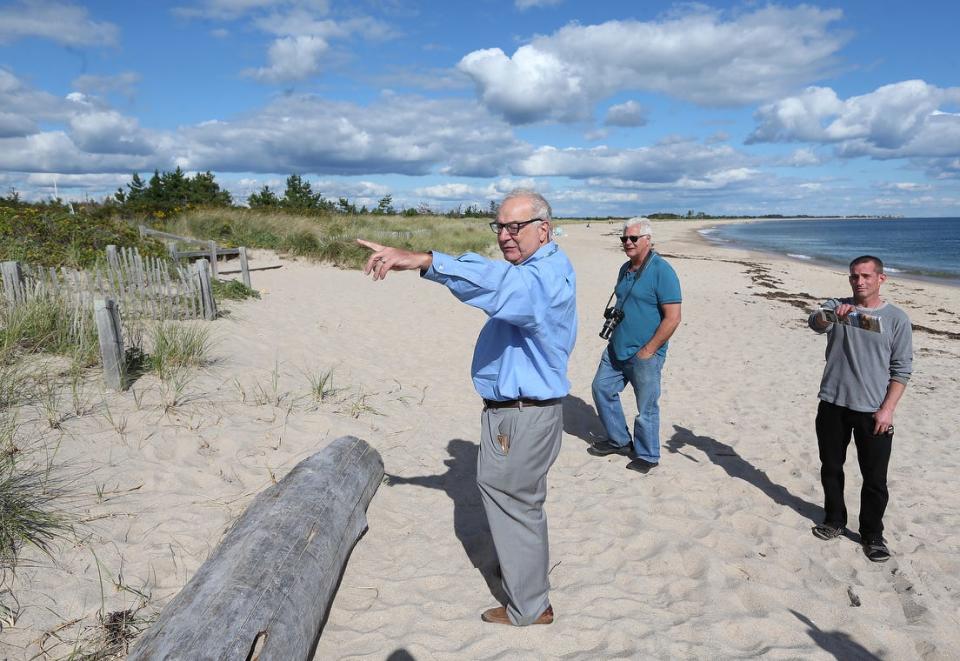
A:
x,y
644,375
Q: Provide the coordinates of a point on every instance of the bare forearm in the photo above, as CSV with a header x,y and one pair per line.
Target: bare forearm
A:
x,y
895,391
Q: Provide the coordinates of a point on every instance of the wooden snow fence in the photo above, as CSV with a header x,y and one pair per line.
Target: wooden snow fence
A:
x,y
265,591
144,287
201,249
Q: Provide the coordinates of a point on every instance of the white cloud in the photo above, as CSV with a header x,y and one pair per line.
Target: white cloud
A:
x,y
901,119
234,9
303,33
803,157
62,22
630,113
523,5
108,132
291,58
697,56
451,191
309,134
667,162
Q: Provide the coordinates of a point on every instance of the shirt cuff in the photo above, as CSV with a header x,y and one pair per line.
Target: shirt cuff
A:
x,y
439,268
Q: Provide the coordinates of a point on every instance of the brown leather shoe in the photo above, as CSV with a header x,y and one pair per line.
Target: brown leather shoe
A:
x,y
499,615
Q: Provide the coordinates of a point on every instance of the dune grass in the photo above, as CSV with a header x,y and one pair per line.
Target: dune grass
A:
x,y
330,238
49,323
176,346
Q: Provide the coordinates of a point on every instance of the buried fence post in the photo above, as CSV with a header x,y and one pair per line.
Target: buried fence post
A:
x,y
244,267
111,343
266,589
13,285
201,274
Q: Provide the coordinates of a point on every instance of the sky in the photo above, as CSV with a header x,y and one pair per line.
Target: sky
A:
x,y
607,108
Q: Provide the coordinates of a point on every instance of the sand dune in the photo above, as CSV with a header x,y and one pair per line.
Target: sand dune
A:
x,y
708,556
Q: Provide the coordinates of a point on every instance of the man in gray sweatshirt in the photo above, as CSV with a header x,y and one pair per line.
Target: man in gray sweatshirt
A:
x,y
868,363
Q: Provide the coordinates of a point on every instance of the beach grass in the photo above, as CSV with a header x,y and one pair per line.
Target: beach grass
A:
x,y
176,346
49,323
331,238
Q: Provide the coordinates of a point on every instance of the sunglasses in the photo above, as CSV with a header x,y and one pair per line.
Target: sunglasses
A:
x,y
633,239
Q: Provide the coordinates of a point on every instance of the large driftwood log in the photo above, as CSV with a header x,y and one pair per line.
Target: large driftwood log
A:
x,y
265,590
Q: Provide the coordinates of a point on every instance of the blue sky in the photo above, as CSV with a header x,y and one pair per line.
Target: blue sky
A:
x,y
608,108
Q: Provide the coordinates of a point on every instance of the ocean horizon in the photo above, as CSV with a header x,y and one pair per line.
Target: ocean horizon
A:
x,y
918,247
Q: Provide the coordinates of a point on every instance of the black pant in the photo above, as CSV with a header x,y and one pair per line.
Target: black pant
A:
x,y
834,424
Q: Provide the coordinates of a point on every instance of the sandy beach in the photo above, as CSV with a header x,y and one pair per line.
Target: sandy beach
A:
x,y
709,556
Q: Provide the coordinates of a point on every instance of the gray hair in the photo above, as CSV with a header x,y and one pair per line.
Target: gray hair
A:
x,y
646,227
541,208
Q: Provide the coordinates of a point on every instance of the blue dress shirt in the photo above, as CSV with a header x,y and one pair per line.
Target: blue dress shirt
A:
x,y
524,347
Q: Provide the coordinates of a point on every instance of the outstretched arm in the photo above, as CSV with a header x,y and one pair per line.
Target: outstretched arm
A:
x,y
385,259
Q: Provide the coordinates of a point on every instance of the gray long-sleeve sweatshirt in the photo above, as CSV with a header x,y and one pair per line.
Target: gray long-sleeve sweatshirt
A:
x,y
861,363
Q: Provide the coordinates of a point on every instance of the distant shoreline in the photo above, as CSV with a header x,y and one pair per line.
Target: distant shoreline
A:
x,y
806,259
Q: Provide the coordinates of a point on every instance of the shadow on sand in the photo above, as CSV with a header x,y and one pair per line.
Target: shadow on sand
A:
x,y
837,643
727,458
469,520
580,420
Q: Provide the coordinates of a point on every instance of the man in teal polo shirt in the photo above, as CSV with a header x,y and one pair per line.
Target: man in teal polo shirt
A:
x,y
648,296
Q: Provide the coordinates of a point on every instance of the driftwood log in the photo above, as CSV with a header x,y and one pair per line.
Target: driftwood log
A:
x,y
265,590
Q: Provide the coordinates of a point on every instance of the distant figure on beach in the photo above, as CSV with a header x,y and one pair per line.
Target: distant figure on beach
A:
x,y
869,359
520,371
645,315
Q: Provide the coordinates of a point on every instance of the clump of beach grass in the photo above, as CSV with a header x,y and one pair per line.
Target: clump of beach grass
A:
x,y
175,346
29,515
321,384
49,323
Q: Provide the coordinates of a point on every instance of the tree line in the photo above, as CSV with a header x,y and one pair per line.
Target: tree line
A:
x,y
167,193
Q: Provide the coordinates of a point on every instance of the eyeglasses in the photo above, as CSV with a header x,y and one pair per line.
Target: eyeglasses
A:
x,y
512,228
634,239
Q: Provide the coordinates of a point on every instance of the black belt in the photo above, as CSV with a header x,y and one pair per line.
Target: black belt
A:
x,y
519,403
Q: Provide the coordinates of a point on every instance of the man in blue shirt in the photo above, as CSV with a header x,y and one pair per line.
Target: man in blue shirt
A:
x,y
520,370
648,304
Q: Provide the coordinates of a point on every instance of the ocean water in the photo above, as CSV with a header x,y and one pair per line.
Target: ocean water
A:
x,y
928,247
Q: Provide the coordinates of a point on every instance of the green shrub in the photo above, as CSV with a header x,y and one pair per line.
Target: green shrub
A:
x,y
52,236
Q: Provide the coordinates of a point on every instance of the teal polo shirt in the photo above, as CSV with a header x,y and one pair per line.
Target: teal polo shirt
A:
x,y
641,303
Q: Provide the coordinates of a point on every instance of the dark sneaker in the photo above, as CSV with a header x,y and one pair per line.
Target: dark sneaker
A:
x,y
641,465
826,531
603,448
876,550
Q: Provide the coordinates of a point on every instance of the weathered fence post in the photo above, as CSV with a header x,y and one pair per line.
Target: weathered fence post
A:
x,y
213,257
111,343
268,585
244,266
172,250
201,274
112,258
13,285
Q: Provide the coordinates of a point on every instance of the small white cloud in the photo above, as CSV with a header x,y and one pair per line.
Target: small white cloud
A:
x,y
802,158
523,5
630,113
291,58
